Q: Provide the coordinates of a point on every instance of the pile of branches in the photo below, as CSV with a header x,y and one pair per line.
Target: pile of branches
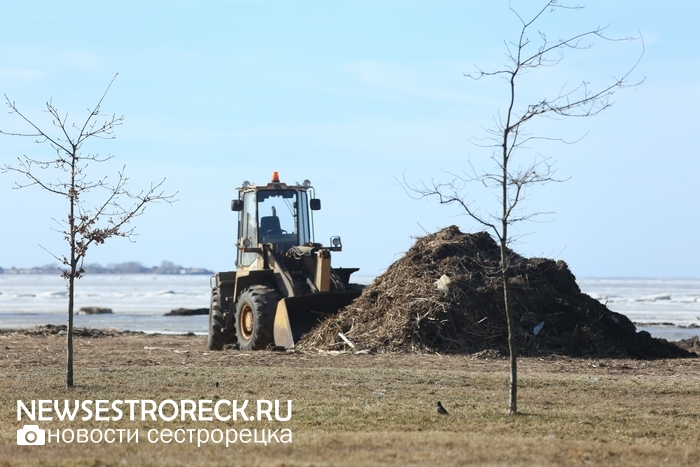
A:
x,y
404,310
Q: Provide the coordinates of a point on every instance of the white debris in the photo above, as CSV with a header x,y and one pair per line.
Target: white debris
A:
x,y
536,330
443,283
347,341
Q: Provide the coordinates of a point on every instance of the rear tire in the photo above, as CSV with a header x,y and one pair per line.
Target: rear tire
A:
x,y
219,336
255,317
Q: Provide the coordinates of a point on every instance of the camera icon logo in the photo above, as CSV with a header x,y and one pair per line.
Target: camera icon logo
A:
x,y
31,435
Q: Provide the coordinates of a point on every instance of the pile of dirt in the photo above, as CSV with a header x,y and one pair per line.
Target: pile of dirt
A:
x,y
692,344
403,309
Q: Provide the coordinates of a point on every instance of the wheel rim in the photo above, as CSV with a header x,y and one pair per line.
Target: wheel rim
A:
x,y
247,322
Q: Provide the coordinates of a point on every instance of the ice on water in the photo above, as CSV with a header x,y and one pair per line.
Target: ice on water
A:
x,y
655,301
668,308
139,301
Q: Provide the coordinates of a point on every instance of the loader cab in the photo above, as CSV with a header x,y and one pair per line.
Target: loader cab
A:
x,y
274,214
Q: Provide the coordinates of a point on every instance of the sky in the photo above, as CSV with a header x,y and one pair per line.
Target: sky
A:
x,y
358,97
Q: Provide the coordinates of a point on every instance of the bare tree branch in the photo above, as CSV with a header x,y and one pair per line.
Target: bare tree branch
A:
x,y
83,226
509,179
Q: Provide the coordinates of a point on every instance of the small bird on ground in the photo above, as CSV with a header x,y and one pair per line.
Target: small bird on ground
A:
x,y
440,409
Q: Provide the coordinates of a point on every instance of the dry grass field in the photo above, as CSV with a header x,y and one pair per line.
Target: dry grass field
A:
x,y
351,410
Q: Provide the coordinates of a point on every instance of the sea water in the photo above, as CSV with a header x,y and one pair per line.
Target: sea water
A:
x,y
668,308
138,301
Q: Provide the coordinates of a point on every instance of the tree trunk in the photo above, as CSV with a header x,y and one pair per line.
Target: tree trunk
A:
x,y
69,336
512,348
73,266
505,263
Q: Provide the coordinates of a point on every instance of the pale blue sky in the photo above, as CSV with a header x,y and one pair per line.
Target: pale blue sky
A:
x,y
351,95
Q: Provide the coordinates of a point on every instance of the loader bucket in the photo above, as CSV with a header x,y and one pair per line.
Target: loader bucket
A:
x,y
296,316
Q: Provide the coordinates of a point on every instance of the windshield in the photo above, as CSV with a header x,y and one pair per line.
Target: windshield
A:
x,y
279,220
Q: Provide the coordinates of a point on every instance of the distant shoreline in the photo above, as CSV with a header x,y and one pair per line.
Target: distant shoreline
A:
x,y
26,272
132,267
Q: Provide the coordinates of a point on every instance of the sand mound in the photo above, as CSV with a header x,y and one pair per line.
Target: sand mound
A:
x,y
403,310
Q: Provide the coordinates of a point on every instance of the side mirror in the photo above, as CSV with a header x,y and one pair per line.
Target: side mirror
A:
x,y
315,204
236,205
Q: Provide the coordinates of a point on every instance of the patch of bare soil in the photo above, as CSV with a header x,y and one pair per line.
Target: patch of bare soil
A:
x,y
403,310
35,348
62,330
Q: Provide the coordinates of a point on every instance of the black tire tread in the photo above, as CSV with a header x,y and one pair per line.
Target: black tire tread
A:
x,y
219,336
263,301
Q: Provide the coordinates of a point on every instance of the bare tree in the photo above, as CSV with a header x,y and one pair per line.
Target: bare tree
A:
x,y
66,174
509,178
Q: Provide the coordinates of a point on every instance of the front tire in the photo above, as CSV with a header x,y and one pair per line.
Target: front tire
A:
x,y
219,335
255,317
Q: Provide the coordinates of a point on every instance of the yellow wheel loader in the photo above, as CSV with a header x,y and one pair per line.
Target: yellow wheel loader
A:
x,y
284,282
